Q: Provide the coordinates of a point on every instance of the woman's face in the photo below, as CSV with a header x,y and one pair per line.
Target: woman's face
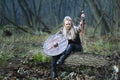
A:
x,y
68,25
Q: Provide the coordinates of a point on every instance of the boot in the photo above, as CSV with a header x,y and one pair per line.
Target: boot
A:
x,y
54,74
61,60
53,71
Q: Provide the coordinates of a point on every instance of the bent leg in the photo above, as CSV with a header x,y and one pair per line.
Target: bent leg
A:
x,y
65,54
53,66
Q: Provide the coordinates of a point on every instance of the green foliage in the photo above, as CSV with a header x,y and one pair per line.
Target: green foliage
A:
x,y
22,45
1,59
98,46
39,57
4,57
1,77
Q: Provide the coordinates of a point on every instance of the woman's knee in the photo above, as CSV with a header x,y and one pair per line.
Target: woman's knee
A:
x,y
68,49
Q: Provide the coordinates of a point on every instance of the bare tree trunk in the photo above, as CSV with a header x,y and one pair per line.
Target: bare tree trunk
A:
x,y
97,14
54,9
33,18
14,12
116,15
25,13
19,27
2,9
59,13
7,7
29,12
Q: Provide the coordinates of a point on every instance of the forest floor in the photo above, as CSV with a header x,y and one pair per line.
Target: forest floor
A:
x,y
26,69
19,65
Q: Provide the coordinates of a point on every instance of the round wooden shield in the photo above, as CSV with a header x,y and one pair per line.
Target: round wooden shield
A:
x,y
55,45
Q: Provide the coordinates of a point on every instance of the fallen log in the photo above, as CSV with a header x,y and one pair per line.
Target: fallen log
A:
x,y
107,67
86,59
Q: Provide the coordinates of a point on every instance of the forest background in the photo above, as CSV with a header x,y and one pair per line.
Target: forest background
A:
x,y
26,24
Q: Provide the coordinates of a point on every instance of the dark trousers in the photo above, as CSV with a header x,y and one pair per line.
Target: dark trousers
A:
x,y
70,47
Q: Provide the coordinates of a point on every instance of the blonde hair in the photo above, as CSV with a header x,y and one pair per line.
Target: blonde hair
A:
x,y
70,34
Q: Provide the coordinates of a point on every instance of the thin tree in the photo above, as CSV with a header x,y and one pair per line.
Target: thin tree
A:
x,y
97,15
